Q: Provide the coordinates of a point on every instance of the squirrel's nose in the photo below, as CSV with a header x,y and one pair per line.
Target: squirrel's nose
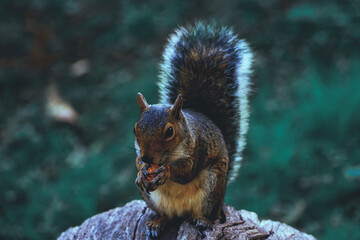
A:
x,y
147,159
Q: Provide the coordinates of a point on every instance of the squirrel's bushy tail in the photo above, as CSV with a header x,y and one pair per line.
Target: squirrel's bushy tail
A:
x,y
210,67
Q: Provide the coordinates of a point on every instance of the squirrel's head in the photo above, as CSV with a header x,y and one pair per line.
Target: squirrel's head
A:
x,y
160,131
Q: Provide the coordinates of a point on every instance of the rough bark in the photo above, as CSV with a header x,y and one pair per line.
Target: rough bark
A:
x,y
128,222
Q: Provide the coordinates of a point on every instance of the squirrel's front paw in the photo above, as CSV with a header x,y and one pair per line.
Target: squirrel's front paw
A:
x,y
162,174
142,182
147,183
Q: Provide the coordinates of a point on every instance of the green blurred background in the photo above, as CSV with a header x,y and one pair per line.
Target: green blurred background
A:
x,y
88,59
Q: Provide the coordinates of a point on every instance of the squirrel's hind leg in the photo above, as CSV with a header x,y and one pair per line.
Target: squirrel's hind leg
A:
x,y
154,227
212,209
202,223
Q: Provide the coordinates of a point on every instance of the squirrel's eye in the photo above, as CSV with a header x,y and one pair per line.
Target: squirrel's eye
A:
x,y
169,132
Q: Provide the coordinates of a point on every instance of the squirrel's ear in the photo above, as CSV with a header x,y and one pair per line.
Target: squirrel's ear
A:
x,y
176,109
142,102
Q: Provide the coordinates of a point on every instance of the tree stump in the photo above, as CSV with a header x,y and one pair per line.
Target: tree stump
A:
x,y
128,222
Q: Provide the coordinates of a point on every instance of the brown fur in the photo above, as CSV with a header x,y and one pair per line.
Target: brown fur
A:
x,y
198,164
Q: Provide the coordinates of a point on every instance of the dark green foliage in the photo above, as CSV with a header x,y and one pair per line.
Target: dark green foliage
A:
x,y
302,160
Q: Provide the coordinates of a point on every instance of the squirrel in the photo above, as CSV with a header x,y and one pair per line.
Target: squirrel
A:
x,y
189,145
